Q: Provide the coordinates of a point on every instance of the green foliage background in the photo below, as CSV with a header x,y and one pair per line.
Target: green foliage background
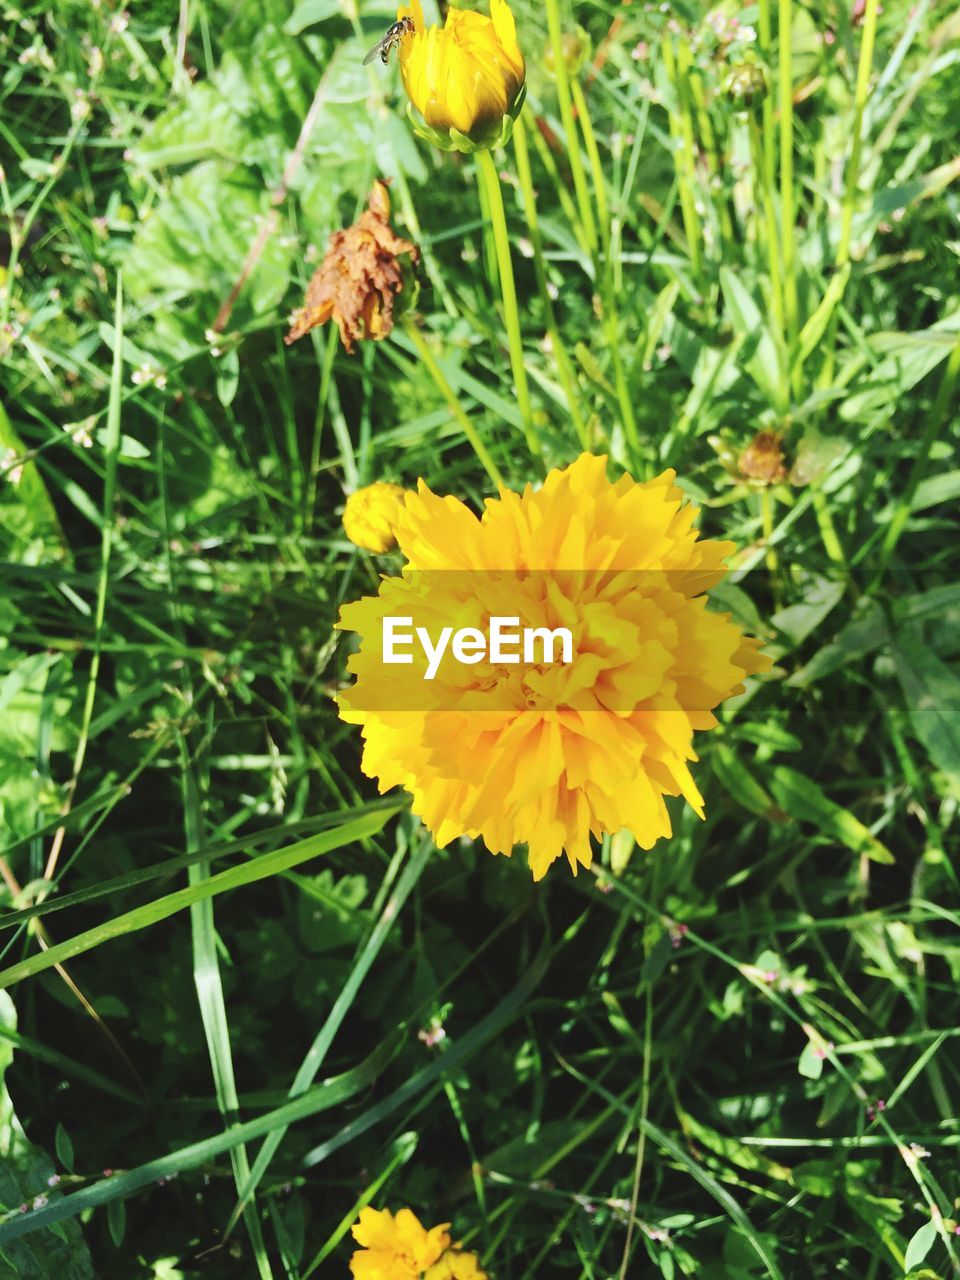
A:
x,y
744,1043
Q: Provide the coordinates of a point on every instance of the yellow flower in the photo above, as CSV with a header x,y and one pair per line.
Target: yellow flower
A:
x,y
395,1248
466,78
371,514
548,752
455,1265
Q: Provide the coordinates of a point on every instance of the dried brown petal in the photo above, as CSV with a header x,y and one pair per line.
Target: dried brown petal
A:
x,y
762,460
357,281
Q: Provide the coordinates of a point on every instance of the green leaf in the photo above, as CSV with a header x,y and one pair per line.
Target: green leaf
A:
x,y
932,693
25,1173
864,634
30,529
921,1242
733,1152
797,621
63,1147
803,800
759,355
811,1063
934,491
816,326
191,251
910,357
741,785
117,1221
329,1093
309,12
261,868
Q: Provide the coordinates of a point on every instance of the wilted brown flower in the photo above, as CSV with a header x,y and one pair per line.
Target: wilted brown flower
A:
x,y
762,460
358,279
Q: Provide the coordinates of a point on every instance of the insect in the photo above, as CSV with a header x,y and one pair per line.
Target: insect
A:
x,y
393,37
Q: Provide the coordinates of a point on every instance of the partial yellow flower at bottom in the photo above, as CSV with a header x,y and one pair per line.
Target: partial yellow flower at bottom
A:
x,y
467,78
549,753
371,514
395,1247
455,1265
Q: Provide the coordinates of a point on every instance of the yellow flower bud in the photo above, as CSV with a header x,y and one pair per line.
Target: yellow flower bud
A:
x,y
467,78
371,514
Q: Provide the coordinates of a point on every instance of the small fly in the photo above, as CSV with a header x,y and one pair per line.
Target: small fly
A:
x,y
393,37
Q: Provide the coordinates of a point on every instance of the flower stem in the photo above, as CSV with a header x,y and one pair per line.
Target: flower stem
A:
x,y
563,195
765,32
767,516
787,207
448,393
828,530
611,320
681,130
773,253
860,102
853,172
508,289
565,103
714,160
596,165
564,367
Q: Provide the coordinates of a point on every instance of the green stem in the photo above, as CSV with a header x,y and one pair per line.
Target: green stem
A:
x,y
765,32
828,531
491,180
767,516
681,130
642,1125
448,393
559,350
333,341
487,243
770,236
612,324
860,102
772,239
569,125
864,68
787,204
596,165
563,195
714,158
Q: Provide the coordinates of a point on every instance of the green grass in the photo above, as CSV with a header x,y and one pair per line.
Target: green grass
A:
x,y
218,946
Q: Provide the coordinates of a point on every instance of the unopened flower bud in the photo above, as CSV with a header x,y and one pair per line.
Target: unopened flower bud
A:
x,y
371,514
746,85
576,50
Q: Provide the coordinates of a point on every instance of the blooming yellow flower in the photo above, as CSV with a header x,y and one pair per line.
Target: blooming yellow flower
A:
x,y
371,514
549,753
395,1248
466,78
